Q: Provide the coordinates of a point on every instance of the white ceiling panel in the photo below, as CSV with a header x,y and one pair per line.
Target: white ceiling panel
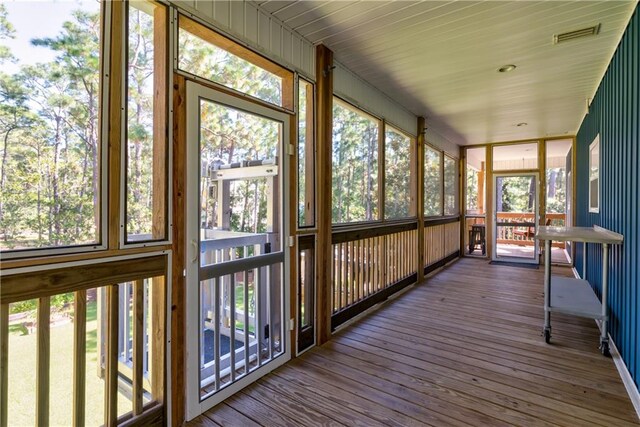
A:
x,y
439,58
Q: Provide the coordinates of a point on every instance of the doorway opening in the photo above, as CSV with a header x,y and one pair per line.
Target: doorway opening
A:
x,y
515,217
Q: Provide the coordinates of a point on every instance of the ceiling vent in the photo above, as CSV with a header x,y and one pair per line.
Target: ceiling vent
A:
x,y
572,35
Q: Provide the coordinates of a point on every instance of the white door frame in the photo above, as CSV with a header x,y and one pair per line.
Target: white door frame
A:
x,y
536,218
194,93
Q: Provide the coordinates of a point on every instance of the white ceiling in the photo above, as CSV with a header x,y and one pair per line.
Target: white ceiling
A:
x,y
439,58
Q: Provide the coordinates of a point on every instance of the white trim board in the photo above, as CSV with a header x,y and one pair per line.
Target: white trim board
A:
x,y
625,375
623,371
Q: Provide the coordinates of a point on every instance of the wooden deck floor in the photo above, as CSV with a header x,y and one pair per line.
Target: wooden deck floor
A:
x,y
463,348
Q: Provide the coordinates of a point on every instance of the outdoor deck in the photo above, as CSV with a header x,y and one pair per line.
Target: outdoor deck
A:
x,y
558,255
464,348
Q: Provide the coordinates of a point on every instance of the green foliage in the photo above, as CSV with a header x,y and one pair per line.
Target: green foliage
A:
x,y
472,188
49,139
432,182
355,166
397,170
450,185
206,60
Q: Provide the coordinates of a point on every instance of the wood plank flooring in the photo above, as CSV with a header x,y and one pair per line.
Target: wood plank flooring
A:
x,y
462,348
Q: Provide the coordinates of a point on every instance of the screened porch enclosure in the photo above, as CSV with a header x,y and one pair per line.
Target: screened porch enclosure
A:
x,y
276,213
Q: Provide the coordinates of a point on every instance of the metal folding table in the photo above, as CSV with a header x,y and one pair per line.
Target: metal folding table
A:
x,y
575,296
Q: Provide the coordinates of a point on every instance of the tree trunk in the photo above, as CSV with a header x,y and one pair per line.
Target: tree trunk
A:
x,y
532,193
552,184
55,197
499,195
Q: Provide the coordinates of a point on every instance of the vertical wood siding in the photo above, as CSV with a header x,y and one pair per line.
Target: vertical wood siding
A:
x,y
258,29
615,115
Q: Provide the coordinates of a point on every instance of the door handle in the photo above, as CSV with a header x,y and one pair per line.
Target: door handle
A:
x,y
194,245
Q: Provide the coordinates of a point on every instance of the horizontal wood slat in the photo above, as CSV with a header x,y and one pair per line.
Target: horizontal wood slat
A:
x,y
56,281
343,234
464,348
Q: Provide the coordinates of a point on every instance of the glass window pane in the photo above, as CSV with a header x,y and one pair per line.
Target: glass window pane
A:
x,y
397,167
432,182
204,53
450,186
515,156
306,155
355,165
475,181
239,183
594,175
146,114
49,109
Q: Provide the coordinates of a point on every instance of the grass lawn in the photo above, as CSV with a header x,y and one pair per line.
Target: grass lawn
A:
x,y
22,376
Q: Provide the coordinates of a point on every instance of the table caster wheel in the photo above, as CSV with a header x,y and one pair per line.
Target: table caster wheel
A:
x,y
604,349
547,336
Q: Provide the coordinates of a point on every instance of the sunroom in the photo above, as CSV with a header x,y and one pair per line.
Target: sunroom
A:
x,y
318,212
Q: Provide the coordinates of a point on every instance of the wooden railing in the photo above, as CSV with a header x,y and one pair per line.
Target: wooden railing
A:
x,y
522,234
441,242
369,265
118,312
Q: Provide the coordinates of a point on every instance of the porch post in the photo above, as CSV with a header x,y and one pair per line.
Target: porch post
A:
x,y
324,121
422,128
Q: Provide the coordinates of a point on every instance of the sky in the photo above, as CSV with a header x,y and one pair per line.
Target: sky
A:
x,y
37,19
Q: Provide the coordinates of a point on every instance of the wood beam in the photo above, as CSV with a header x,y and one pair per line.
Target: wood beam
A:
x,y
419,193
178,298
115,122
160,130
38,284
324,130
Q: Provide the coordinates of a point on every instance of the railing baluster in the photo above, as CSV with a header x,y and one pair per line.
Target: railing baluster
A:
x,y
145,327
216,331
344,270
269,314
367,270
352,263
43,362
257,292
138,344
157,304
111,358
246,322
360,269
232,326
79,357
4,364
337,290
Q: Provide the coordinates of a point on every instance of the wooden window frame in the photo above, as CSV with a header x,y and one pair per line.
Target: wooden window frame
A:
x,y
412,170
162,137
103,154
456,186
441,153
381,125
310,156
209,35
